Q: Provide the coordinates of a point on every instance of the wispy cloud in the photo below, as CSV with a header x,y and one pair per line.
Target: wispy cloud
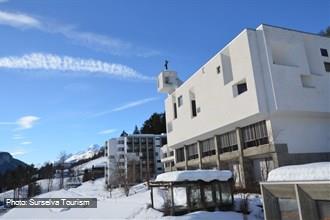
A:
x,y
89,39
19,20
126,106
107,131
24,122
17,137
41,61
26,142
27,122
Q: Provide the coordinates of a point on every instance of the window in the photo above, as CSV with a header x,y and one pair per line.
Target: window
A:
x,y
167,80
324,52
192,151
227,142
327,66
122,156
121,149
158,161
180,101
180,154
218,69
208,147
255,134
193,108
241,87
175,111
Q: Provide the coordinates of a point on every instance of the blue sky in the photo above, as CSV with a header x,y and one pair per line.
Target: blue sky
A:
x,y
75,73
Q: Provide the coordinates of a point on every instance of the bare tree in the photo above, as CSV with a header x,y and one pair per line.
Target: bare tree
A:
x,y
122,174
61,166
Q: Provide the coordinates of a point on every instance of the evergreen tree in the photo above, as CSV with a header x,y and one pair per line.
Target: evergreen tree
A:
x,y
124,134
136,130
156,124
326,32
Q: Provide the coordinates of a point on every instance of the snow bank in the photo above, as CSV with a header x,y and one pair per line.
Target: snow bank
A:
x,y
305,172
195,175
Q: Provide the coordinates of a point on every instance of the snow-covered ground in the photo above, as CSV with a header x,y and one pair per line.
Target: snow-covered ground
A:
x,y
43,186
119,206
304,172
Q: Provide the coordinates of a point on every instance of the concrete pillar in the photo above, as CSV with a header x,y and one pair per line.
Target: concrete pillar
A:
x,y
306,205
243,162
185,152
188,197
148,166
200,156
270,204
140,155
152,196
217,152
172,200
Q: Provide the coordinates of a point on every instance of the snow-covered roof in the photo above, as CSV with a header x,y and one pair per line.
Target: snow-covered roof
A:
x,y
195,175
305,172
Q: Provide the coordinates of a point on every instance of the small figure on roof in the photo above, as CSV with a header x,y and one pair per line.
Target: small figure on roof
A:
x,y
166,65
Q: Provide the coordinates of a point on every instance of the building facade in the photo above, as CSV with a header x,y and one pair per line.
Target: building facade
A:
x,y
261,102
138,155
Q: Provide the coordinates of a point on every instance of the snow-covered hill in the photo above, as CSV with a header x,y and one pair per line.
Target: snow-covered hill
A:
x,y
96,163
89,153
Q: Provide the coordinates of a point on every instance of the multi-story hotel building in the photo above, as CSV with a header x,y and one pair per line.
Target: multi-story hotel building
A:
x,y
137,154
261,102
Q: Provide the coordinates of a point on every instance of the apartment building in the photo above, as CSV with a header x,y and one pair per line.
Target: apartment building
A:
x,y
137,154
261,102
167,158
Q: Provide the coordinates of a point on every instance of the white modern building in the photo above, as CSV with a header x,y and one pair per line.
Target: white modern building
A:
x,y
137,154
261,102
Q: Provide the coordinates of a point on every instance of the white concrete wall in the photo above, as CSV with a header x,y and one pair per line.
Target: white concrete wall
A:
x,y
291,56
214,94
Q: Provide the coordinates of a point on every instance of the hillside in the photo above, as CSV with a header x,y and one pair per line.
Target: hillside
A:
x,y
7,162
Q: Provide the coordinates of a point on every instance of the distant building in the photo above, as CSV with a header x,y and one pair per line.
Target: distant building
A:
x,y
167,158
137,154
261,102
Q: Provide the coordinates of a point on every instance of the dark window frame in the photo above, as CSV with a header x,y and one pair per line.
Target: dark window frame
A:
x,y
241,88
327,66
175,110
218,69
324,52
193,108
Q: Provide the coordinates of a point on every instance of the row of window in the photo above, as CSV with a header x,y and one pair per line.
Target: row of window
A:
x,y
252,135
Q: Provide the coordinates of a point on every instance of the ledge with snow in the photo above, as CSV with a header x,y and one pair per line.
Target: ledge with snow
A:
x,y
299,191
